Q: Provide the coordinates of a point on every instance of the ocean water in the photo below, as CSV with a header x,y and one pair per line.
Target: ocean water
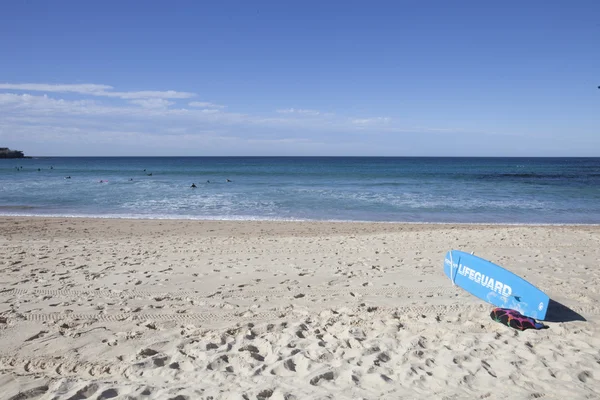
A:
x,y
403,189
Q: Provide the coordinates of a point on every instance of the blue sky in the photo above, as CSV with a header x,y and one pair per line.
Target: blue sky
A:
x,y
403,78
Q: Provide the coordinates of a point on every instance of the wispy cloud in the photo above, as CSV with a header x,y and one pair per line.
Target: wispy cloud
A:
x,y
148,112
40,117
298,111
83,88
205,104
152,103
92,89
371,121
29,106
23,102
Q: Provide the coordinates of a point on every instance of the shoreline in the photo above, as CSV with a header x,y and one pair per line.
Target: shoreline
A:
x,y
233,220
240,309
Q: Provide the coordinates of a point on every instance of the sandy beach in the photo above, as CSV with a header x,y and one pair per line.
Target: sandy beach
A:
x,y
169,309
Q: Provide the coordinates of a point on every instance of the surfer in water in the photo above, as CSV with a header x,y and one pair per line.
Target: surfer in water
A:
x,y
193,185
228,180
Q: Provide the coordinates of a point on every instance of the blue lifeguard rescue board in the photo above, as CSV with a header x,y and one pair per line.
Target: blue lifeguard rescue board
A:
x,y
494,284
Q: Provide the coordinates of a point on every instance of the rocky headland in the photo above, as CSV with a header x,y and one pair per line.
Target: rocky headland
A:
x,y
5,152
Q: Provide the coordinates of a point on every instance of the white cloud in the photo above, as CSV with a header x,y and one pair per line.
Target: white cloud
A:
x,y
95,90
169,94
204,104
28,107
370,121
38,118
35,119
42,103
27,104
298,111
152,103
291,140
31,106
84,88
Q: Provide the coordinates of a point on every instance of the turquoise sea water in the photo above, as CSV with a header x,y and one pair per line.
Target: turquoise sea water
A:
x,y
490,190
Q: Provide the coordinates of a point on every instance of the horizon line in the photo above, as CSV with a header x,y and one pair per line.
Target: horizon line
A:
x,y
292,156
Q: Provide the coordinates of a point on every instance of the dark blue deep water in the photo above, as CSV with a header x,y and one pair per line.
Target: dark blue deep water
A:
x,y
404,189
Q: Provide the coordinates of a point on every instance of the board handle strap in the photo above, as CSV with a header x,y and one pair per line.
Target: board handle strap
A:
x,y
452,274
